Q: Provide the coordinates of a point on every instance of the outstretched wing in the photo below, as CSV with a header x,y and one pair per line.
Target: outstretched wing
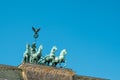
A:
x,y
33,29
38,30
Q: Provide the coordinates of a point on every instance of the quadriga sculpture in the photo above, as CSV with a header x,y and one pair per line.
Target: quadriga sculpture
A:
x,y
34,56
60,59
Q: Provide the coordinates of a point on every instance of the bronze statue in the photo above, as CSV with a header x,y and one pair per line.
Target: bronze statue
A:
x,y
36,32
34,55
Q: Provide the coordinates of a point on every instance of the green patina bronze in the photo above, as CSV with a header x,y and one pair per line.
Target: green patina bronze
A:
x,y
34,55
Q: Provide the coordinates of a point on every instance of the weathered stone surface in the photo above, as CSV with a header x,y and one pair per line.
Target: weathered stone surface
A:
x,y
39,72
10,73
78,77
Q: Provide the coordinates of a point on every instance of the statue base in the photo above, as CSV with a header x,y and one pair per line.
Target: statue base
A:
x,y
27,71
41,72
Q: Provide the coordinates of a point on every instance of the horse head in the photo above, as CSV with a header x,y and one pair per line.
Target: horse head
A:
x,y
40,49
39,52
27,46
63,52
28,49
54,49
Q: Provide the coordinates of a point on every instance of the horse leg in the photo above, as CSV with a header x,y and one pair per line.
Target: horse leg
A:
x,y
60,65
65,64
24,59
29,59
48,63
53,64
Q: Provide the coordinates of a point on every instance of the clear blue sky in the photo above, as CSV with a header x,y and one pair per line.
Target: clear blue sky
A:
x,y
88,29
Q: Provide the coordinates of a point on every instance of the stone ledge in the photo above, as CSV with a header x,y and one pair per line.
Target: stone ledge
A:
x,y
40,72
10,73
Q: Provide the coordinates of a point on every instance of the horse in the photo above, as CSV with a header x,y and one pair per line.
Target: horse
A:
x,y
27,53
36,56
49,58
60,59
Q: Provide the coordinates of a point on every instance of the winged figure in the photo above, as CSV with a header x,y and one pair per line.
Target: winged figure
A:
x,y
35,32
